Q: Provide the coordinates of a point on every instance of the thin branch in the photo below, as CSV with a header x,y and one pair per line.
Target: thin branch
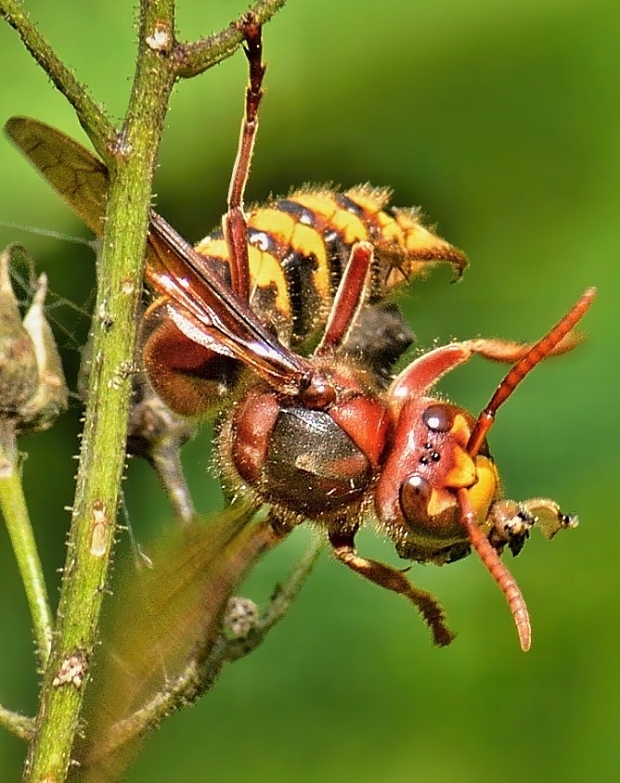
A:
x,y
184,689
278,605
15,513
89,114
19,725
195,57
28,365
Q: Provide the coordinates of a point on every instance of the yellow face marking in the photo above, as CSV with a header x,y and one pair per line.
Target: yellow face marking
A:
x,y
483,493
461,430
440,501
463,470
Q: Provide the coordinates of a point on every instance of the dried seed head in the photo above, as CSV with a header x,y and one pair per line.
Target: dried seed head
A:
x,y
33,390
241,617
18,361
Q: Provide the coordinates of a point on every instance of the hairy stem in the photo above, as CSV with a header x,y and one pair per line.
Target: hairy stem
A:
x,y
89,113
15,512
196,57
19,725
102,454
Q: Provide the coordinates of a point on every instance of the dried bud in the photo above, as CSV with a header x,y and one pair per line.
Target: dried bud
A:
x,y
33,391
18,361
51,396
241,617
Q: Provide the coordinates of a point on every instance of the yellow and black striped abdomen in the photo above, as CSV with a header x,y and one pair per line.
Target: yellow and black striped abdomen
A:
x,y
298,248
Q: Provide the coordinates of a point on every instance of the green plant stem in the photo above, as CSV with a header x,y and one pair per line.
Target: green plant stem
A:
x,y
15,512
90,115
195,57
103,446
19,725
279,604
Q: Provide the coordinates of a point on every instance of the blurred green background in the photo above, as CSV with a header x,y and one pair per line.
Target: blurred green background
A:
x,y
502,121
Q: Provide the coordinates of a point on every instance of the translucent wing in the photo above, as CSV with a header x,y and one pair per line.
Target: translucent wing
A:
x,y
207,311
78,177
164,614
202,305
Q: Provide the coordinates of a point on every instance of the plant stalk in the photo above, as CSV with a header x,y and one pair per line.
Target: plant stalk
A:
x,y
102,454
15,512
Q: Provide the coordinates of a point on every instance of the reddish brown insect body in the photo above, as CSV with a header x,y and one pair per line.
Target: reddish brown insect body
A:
x,y
320,437
420,461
